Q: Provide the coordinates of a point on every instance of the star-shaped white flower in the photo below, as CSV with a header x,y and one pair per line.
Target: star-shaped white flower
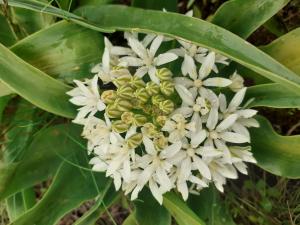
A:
x,y
206,104
200,80
97,132
87,96
155,169
244,119
177,127
105,70
145,58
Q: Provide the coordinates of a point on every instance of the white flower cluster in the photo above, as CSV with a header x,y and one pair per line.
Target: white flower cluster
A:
x,y
164,130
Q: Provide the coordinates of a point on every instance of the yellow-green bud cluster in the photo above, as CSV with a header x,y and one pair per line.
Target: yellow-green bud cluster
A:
x,y
142,104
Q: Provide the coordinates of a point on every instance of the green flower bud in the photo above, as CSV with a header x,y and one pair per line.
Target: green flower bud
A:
x,y
160,141
137,82
139,120
125,91
127,117
123,105
108,96
119,126
142,95
166,106
147,108
152,88
112,112
149,129
134,141
157,99
122,80
164,74
161,120
167,87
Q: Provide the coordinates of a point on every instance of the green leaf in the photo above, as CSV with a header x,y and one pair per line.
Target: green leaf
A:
x,y
276,26
203,33
180,211
277,154
30,22
179,26
49,9
209,207
34,85
272,95
101,206
41,159
169,5
7,36
3,102
17,138
20,131
148,211
70,188
248,15
130,220
4,90
64,50
286,50
19,203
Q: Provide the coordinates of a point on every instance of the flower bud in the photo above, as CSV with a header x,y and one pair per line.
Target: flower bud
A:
x,y
137,82
237,82
149,129
123,104
166,106
152,88
127,117
142,95
156,99
134,141
112,112
139,120
125,91
108,96
125,79
161,120
164,74
160,141
167,87
119,126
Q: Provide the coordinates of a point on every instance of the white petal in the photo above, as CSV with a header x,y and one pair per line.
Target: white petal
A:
x,y
185,95
132,61
198,137
147,39
222,102
188,67
240,129
237,100
165,58
171,150
207,65
228,122
183,189
217,82
202,167
186,82
234,137
152,74
163,179
105,60
149,146
155,191
140,72
213,118
246,113
155,44
137,47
